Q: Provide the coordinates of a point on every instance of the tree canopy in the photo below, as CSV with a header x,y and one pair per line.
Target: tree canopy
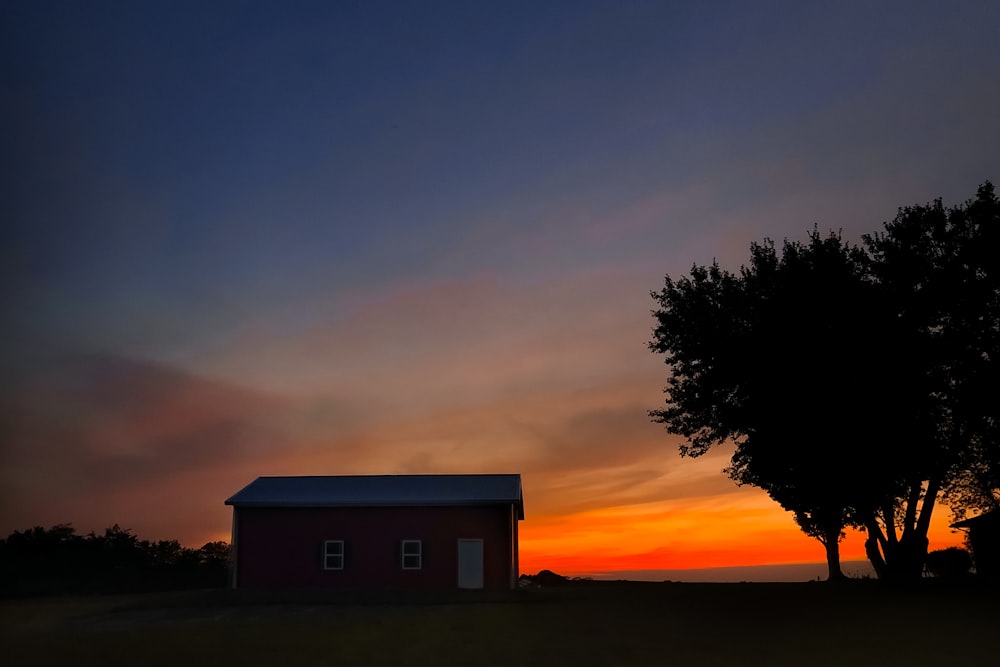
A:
x,y
58,561
851,378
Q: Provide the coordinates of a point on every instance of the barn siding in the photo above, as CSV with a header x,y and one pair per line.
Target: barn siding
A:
x,y
281,547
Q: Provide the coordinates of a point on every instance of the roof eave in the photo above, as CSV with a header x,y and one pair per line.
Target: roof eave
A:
x,y
304,504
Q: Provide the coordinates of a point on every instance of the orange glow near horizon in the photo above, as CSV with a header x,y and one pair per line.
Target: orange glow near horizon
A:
x,y
658,537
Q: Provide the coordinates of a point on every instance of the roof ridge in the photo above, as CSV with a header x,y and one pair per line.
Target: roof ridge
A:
x,y
381,491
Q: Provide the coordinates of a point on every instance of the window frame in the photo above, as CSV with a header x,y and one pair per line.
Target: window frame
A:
x,y
327,554
405,554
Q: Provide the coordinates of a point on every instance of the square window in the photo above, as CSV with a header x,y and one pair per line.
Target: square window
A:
x,y
412,554
333,554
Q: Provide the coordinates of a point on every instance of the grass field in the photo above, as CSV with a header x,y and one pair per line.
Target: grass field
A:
x,y
586,624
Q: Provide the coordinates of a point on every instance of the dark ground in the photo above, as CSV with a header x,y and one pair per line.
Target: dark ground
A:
x,y
597,623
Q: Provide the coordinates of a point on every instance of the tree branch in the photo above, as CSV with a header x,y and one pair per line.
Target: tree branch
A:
x,y
889,520
912,499
930,498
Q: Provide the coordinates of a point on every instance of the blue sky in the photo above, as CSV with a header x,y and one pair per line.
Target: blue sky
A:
x,y
432,210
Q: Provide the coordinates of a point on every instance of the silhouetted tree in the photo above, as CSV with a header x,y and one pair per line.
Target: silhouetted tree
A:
x,y
57,560
940,271
215,554
951,563
782,360
214,560
829,370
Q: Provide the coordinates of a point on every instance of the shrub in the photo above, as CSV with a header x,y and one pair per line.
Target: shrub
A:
x,y
950,563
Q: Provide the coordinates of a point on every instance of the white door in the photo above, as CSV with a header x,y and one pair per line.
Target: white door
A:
x,y
470,563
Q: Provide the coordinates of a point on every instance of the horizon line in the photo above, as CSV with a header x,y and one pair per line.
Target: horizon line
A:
x,y
772,572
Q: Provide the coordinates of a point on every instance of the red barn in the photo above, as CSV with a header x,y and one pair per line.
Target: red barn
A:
x,y
377,532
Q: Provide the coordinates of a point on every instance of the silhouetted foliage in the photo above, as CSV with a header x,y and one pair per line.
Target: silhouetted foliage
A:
x,y
854,389
938,267
776,359
57,561
544,578
951,563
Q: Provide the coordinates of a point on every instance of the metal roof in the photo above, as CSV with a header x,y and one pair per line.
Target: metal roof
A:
x,y
988,518
381,491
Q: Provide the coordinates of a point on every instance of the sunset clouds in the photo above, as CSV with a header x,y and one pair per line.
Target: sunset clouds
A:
x,y
247,240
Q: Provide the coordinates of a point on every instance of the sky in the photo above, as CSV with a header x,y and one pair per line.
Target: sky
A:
x,y
286,238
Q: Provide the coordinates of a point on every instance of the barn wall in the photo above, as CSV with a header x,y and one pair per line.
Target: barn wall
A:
x,y
282,547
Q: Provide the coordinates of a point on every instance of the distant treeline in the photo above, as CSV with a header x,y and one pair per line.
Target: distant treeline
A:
x,y
56,561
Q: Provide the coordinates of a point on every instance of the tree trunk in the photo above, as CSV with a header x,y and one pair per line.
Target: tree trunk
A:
x,y
873,550
834,573
897,561
905,560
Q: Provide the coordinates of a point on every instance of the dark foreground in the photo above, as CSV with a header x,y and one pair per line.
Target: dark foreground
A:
x,y
585,624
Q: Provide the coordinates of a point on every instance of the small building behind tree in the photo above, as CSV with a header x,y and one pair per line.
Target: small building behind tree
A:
x,y
984,538
377,532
